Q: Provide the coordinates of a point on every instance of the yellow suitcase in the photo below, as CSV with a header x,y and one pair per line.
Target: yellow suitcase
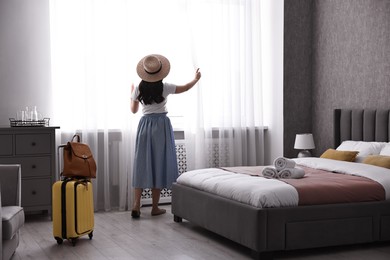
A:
x,y
73,213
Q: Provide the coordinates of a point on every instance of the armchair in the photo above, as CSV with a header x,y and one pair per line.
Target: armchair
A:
x,y
11,212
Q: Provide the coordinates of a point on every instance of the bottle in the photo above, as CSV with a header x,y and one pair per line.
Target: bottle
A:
x,y
27,114
34,114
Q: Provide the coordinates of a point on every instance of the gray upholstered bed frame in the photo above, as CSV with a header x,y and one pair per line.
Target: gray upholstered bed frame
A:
x,y
275,229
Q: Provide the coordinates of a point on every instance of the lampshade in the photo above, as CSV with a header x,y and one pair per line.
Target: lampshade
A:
x,y
304,141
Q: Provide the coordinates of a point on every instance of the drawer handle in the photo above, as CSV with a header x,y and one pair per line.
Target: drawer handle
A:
x,y
33,143
33,192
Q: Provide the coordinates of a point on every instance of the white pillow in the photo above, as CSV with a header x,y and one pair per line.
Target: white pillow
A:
x,y
364,148
385,150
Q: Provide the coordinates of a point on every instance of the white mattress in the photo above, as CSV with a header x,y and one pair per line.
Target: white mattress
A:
x,y
265,193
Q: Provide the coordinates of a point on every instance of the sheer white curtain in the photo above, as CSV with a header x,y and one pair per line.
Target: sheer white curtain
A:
x,y
91,76
225,126
95,46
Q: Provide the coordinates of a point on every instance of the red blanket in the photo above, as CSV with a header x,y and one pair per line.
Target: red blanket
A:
x,y
323,187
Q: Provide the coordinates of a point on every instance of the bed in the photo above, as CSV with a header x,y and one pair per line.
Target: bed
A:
x,y
268,229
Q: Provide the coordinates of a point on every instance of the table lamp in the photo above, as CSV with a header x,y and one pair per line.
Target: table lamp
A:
x,y
304,142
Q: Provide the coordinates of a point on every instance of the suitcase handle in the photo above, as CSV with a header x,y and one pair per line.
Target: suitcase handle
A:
x,y
59,159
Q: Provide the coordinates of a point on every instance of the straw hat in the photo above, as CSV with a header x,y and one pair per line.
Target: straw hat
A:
x,y
153,68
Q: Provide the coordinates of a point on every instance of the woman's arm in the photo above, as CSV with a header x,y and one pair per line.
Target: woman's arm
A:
x,y
189,85
134,104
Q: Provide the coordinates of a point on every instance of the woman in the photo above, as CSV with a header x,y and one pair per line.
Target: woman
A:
x,y
155,164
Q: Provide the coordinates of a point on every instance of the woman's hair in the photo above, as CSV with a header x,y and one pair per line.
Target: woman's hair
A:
x,y
150,92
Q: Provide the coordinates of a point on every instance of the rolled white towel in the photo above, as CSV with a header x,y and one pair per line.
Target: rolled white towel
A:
x,y
270,172
291,173
282,163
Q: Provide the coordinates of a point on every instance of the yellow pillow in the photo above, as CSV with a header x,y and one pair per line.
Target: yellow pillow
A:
x,y
378,160
348,156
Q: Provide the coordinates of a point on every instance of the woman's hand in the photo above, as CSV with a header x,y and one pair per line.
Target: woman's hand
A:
x,y
189,85
198,75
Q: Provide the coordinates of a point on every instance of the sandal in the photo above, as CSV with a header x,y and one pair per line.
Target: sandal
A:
x,y
135,213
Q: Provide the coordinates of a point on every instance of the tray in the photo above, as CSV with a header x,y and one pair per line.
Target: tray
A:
x,y
29,123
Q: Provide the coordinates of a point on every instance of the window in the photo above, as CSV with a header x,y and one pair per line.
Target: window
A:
x,y
97,44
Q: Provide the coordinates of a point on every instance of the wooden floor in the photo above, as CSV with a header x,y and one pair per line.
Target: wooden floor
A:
x,y
118,236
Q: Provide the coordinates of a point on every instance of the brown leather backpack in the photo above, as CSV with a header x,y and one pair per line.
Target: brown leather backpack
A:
x,y
78,160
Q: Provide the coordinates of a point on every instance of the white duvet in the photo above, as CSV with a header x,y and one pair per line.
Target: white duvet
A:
x,y
266,193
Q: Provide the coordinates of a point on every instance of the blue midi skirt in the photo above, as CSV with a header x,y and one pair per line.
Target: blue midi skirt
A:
x,y
155,163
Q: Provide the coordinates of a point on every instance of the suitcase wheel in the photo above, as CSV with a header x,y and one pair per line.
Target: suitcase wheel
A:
x,y
72,241
59,240
90,235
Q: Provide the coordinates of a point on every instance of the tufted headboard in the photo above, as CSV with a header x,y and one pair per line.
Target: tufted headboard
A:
x,y
361,125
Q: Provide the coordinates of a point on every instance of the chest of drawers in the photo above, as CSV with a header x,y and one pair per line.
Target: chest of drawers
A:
x,y
34,148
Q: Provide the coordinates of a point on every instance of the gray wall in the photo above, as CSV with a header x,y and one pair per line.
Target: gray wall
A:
x,y
297,72
24,57
350,63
